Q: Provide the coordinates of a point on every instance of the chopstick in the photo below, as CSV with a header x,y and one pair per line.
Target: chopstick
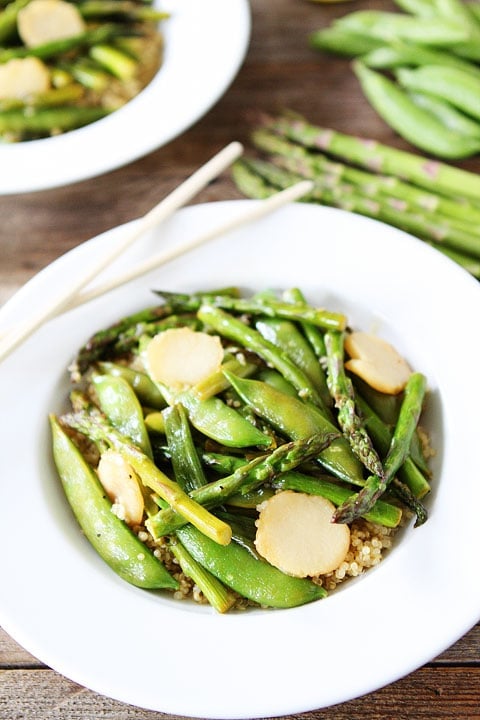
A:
x,y
72,299
165,208
290,194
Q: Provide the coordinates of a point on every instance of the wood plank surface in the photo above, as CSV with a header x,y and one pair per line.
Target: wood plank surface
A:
x,y
280,70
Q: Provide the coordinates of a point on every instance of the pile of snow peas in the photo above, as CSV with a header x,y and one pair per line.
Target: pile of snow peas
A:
x,y
418,69
281,412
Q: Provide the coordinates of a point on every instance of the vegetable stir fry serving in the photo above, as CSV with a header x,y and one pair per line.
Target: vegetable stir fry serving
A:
x,y
66,64
241,450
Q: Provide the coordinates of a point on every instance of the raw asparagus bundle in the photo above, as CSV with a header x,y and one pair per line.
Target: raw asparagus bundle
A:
x,y
430,199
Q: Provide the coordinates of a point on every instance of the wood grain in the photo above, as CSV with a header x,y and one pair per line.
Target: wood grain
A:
x,y
280,71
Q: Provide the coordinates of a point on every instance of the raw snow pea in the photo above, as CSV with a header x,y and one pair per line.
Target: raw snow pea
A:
x,y
113,540
457,87
413,123
248,574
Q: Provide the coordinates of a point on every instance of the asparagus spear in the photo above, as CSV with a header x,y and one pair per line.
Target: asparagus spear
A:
x,y
234,329
246,478
341,390
261,179
431,174
314,164
375,486
32,121
102,33
258,305
92,423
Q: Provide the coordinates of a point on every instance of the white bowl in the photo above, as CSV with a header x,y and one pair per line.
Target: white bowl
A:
x,y
205,45
65,606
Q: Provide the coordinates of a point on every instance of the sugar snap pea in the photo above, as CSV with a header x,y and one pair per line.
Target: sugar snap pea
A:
x,y
251,576
413,123
110,536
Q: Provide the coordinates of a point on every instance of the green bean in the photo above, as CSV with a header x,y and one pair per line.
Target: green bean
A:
x,y
113,540
455,86
416,125
53,48
248,575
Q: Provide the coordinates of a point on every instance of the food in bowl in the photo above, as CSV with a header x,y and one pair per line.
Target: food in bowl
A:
x,y
66,64
242,450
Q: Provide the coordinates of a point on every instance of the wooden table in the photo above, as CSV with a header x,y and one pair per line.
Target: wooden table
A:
x,y
280,70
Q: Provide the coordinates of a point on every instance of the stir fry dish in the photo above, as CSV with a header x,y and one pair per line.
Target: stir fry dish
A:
x,y
65,64
242,450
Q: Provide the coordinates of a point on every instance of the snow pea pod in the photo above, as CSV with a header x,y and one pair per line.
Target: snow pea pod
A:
x,y
118,401
248,574
113,540
296,420
185,460
413,123
145,389
286,336
222,423
456,86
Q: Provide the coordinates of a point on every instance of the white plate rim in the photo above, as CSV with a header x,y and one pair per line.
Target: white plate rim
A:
x,y
179,95
412,576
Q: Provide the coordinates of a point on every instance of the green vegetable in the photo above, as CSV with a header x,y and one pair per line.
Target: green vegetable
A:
x,y
418,126
376,485
296,420
111,537
120,404
250,576
456,86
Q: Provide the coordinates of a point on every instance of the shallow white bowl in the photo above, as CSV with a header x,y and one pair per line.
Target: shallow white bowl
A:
x,y
205,45
65,606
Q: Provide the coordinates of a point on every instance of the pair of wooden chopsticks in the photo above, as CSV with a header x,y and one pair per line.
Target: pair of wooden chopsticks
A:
x,y
77,294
